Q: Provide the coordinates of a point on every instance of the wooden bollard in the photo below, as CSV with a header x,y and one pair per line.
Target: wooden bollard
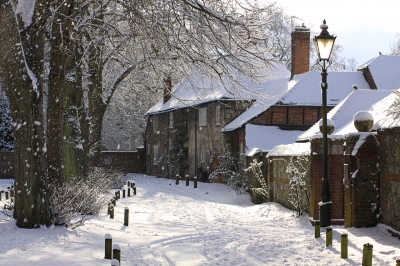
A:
x,y
116,195
0,195
177,180
123,193
344,242
126,216
108,247
114,201
367,255
129,191
328,236
195,182
398,262
317,229
134,190
187,180
129,183
117,253
12,193
108,209
114,262
6,194
111,211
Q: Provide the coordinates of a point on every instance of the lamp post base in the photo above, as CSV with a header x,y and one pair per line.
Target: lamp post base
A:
x,y
325,213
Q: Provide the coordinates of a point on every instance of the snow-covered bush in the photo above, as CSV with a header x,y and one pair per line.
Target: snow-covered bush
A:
x,y
80,198
299,194
255,168
6,132
233,171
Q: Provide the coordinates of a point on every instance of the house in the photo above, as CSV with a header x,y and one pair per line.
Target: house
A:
x,y
183,133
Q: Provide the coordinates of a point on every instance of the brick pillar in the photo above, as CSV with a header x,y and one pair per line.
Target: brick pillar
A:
x,y
363,149
300,50
335,177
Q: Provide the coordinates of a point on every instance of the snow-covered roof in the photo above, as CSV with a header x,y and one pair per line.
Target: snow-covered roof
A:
x,y
196,88
270,93
342,114
385,70
265,138
294,149
305,89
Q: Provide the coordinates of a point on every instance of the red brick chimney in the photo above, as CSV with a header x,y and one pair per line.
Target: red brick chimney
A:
x,y
300,50
167,89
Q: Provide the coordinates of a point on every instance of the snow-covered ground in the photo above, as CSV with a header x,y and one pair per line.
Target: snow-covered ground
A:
x,y
178,225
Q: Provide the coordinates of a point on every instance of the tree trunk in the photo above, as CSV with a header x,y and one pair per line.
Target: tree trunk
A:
x,y
21,69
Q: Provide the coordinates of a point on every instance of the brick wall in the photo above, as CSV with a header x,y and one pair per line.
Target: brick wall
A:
x,y
125,161
6,164
389,152
335,177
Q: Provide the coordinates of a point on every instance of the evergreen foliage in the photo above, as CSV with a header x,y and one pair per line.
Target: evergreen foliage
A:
x,y
6,132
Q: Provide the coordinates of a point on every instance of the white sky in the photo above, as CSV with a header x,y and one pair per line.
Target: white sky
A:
x,y
363,28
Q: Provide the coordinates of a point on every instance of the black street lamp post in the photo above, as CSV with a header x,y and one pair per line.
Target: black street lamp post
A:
x,y
324,44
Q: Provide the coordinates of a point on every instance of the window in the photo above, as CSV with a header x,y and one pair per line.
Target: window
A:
x,y
203,155
171,120
155,123
203,116
218,115
155,154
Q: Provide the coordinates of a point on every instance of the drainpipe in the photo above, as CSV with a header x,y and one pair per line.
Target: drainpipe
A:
x,y
195,142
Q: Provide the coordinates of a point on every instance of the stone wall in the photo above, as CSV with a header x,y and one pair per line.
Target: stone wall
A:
x,y
389,140
279,180
6,164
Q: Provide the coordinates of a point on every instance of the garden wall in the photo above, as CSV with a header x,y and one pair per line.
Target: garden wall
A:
x,y
125,161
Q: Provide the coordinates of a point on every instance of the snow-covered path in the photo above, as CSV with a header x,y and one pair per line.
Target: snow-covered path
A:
x,y
178,225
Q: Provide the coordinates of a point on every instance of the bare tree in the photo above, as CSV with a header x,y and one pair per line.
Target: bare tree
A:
x,y
62,62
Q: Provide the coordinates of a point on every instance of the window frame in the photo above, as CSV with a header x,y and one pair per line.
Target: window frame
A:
x,y
203,116
218,115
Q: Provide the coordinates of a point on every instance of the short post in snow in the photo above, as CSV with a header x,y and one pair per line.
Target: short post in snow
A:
x,y
12,193
111,211
398,262
114,262
6,194
129,191
123,193
177,179
114,201
195,182
317,229
0,194
129,183
344,241
108,247
108,209
116,195
134,190
328,236
126,216
117,253
132,184
367,255
187,180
